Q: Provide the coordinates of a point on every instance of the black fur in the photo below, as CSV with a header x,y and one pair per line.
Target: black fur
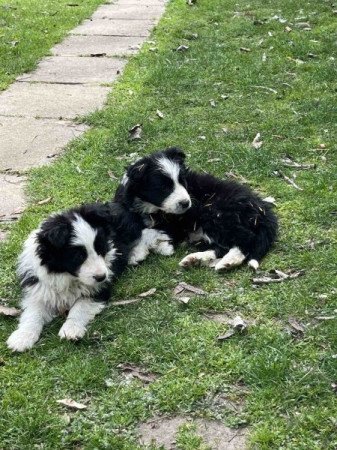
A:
x,y
231,215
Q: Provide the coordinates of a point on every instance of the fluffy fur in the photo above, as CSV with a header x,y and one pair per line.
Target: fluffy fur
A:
x,y
69,264
225,219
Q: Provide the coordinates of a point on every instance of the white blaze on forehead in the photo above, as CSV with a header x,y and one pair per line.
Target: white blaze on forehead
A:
x,y
84,234
169,167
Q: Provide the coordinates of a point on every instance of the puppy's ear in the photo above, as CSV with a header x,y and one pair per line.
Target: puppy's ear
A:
x,y
56,231
176,154
137,171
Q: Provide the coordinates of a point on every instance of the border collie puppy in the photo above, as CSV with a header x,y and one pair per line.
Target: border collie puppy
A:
x,y
226,220
69,264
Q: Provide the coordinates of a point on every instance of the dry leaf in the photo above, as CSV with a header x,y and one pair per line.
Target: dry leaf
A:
x,y
224,96
191,2
257,143
184,300
325,317
236,176
111,175
136,372
289,162
239,324
182,48
298,327
71,403
270,200
8,311
135,132
227,335
277,276
160,114
45,201
182,286
147,293
203,138
288,29
212,103
244,49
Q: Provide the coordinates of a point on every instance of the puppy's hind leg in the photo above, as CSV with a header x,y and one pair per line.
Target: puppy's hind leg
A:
x,y
233,258
198,258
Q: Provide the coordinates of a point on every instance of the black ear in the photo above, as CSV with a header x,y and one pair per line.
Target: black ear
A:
x,y
176,154
137,171
56,231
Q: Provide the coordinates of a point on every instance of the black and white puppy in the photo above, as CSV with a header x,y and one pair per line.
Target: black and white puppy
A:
x,y
226,220
69,264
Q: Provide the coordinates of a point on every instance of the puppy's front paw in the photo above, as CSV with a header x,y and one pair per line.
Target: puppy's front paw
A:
x,y
72,331
165,248
190,260
19,341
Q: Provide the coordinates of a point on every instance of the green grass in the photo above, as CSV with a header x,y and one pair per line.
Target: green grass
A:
x,y
289,402
29,28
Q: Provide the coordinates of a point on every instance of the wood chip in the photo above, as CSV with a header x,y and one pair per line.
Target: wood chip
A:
x,y
160,114
72,404
136,372
182,286
182,48
325,318
135,133
147,293
257,143
8,311
245,49
270,200
277,276
289,162
126,302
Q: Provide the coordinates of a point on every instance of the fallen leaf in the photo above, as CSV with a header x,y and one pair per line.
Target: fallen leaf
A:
x,y
236,176
334,387
227,335
182,286
277,276
212,103
290,181
288,29
191,2
137,372
203,138
303,25
245,49
239,324
257,143
71,403
160,114
325,318
270,200
182,48
8,311
264,57
135,132
148,293
289,162
224,96
274,91
45,201
298,327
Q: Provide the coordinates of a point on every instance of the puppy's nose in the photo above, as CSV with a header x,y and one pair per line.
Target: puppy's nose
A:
x,y
100,278
184,204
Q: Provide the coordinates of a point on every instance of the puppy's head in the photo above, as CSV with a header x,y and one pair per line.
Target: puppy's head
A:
x,y
158,182
69,244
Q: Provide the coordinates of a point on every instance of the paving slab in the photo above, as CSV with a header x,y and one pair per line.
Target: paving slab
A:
x,y
138,2
76,70
78,45
104,27
43,100
12,198
130,12
26,142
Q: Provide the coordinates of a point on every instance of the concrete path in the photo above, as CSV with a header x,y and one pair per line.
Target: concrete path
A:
x,y
37,112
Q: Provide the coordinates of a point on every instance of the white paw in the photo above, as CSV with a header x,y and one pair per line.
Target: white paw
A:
x,y
253,264
164,248
232,259
137,255
71,331
19,341
194,259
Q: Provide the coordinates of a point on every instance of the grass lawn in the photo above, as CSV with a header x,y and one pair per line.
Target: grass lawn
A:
x,y
283,87
29,28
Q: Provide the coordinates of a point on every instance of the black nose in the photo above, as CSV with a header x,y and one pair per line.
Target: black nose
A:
x,y
184,204
100,277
